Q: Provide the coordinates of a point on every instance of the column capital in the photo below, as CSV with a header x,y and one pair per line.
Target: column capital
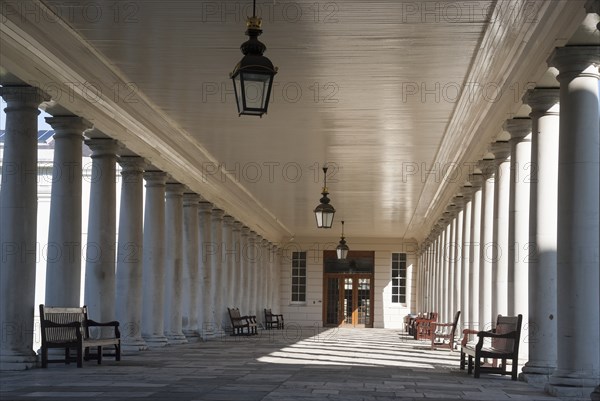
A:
x,y
228,220
237,226
487,167
572,61
190,199
155,178
25,96
217,214
265,242
205,207
518,128
252,236
174,190
542,100
245,231
476,180
68,125
593,7
102,147
501,151
467,192
459,200
131,164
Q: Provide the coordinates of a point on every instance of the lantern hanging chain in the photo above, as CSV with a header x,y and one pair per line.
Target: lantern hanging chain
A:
x,y
324,179
254,9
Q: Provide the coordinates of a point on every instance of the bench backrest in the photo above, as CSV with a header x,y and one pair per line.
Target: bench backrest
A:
x,y
235,316
269,316
504,325
62,315
454,324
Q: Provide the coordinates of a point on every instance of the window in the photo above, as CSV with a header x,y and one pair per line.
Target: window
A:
x,y
399,278
298,276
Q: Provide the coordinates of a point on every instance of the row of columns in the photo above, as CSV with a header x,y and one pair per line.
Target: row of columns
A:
x,y
529,222
178,264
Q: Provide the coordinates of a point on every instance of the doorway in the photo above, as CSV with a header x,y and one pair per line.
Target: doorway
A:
x,y
348,290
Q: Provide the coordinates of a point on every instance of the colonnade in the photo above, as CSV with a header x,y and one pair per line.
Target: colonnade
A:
x,y
178,263
529,232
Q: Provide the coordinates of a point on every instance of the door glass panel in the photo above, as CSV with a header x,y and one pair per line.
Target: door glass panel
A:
x,y
348,300
333,301
364,301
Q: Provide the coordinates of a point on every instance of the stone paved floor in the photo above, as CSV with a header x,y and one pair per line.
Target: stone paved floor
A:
x,y
295,364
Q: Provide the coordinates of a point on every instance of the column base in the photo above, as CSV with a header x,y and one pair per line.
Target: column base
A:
x,y
536,374
595,396
176,338
156,341
133,345
10,361
574,385
191,335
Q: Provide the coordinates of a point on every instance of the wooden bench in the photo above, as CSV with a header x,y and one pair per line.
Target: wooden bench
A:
x,y
273,320
68,328
443,332
422,326
239,323
504,345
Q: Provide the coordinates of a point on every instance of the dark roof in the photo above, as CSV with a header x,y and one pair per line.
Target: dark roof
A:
x,y
44,136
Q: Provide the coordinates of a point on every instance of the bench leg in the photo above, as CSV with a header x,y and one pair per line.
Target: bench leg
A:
x,y
470,365
99,354
117,352
462,360
67,356
80,356
44,357
477,366
515,368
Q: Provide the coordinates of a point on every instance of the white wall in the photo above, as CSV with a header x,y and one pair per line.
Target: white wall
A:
x,y
310,313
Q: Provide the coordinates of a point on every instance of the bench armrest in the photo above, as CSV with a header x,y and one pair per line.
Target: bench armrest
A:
x,y
114,323
93,323
511,334
442,324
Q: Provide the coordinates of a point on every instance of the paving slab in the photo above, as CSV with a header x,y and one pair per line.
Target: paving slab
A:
x,y
302,364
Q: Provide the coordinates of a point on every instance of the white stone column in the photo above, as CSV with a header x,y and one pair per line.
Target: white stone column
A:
x,y
173,303
99,294
128,304
153,328
206,247
458,256
477,180
578,275
252,256
63,260
439,273
216,267
541,252
276,301
446,268
264,278
270,277
465,300
191,278
228,262
518,220
18,226
500,243
257,280
486,246
245,268
237,282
